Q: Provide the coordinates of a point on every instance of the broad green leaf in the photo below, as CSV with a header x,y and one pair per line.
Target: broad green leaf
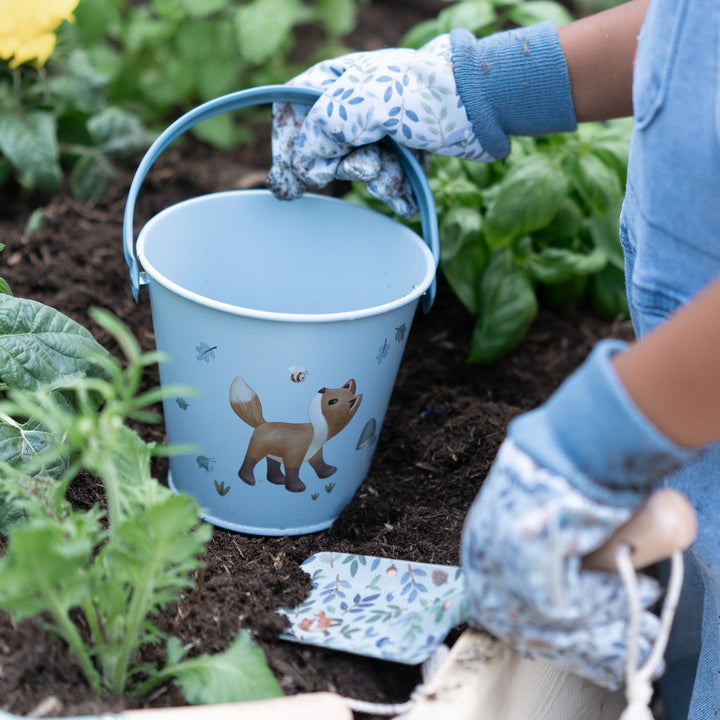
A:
x,y
142,30
608,294
169,84
217,77
556,264
119,133
4,288
421,33
459,227
463,254
508,307
236,675
535,11
91,176
20,442
39,344
29,142
478,16
605,233
262,27
94,20
203,8
81,87
219,131
596,183
197,41
338,16
456,190
563,294
10,514
526,199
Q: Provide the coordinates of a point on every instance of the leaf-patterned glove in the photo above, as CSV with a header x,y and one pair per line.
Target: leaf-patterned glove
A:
x,y
407,95
566,477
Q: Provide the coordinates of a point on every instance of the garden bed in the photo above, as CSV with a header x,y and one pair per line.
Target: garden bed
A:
x,y
445,422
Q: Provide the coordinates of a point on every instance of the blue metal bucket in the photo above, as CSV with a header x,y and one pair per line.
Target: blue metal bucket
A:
x,y
290,319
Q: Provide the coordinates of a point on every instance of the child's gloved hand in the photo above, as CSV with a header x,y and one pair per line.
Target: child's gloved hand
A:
x,y
408,95
566,477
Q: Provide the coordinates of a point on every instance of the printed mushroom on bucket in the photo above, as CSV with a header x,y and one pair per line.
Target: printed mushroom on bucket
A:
x,y
289,319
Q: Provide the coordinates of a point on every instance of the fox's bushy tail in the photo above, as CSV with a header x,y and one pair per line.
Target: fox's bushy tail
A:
x,y
245,402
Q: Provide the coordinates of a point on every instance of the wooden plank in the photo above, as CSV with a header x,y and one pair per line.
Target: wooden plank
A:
x,y
484,679
308,706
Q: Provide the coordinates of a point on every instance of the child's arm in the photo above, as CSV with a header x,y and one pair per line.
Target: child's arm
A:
x,y
673,374
599,51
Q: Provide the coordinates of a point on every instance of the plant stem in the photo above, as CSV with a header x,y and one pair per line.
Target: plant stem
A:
x,y
71,635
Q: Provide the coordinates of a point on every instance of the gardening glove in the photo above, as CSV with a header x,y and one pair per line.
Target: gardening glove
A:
x,y
407,95
567,475
455,96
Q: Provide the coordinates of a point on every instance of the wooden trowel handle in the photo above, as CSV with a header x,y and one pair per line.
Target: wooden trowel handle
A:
x,y
665,522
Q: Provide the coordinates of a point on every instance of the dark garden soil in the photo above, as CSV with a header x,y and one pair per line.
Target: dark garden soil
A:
x,y
443,427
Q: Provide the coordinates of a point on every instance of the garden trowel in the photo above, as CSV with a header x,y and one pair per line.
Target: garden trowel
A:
x,y
401,611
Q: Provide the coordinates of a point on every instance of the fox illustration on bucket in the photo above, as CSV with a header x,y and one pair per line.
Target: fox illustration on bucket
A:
x,y
290,444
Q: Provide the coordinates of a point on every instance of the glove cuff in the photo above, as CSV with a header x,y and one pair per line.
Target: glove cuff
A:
x,y
513,83
592,432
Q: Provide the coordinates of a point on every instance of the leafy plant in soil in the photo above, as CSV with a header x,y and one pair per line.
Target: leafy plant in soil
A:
x,y
97,577
166,54
539,229
54,113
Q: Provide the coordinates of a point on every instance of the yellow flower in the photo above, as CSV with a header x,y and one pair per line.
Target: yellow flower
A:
x,y
27,29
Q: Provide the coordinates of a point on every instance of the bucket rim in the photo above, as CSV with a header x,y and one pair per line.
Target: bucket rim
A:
x,y
274,316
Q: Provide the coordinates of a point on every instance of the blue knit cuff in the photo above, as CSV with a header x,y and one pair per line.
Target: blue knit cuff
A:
x,y
513,83
591,432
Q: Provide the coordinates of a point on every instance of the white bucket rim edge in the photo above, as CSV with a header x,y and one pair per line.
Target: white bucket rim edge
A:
x,y
231,309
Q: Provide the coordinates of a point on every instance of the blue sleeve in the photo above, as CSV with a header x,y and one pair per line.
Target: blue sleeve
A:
x,y
592,433
513,83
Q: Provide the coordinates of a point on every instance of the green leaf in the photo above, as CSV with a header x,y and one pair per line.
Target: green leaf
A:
x,y
91,177
236,675
463,254
119,133
22,441
94,19
4,288
80,87
262,27
421,33
596,183
203,8
605,233
339,17
38,344
535,11
35,221
219,131
171,83
42,569
508,308
526,199
553,265
608,294
30,144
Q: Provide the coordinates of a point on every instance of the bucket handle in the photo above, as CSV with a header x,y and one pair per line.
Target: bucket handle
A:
x,y
259,96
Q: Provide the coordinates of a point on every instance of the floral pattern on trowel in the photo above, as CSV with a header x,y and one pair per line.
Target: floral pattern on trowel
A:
x,y
378,607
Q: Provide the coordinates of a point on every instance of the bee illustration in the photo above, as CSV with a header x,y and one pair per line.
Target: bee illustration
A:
x,y
298,373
